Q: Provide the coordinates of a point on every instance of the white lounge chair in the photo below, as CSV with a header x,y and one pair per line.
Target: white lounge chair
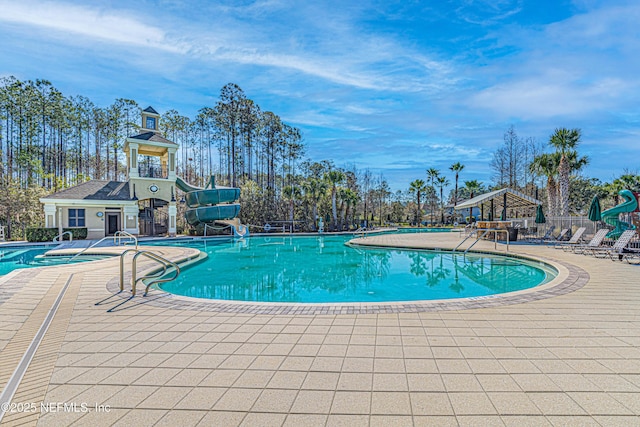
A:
x,y
615,251
574,240
595,241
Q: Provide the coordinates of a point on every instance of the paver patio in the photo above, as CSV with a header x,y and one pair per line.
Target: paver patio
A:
x,y
569,357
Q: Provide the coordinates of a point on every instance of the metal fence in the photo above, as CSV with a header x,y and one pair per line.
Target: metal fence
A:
x,y
561,222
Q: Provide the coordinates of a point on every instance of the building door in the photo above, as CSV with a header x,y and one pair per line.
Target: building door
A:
x,y
113,223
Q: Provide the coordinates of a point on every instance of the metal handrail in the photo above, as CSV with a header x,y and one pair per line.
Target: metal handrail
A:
x,y
61,236
214,227
361,232
163,280
477,240
88,247
122,266
486,231
151,255
119,235
495,236
467,238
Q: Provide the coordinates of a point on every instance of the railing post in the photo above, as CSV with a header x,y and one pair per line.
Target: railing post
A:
x,y
122,266
134,267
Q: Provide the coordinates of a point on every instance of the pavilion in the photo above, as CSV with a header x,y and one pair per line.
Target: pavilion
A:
x,y
506,201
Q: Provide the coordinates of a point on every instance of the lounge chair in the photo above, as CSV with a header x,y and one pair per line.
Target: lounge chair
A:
x,y
631,253
595,241
546,236
557,238
574,240
617,250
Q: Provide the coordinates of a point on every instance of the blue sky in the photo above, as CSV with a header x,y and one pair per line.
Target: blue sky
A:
x,y
396,87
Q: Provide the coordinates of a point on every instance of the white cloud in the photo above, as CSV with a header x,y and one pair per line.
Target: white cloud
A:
x,y
89,22
586,65
323,69
544,98
488,12
345,56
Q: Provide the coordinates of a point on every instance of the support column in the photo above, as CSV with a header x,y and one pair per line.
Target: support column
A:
x,y
171,176
173,213
60,222
133,160
50,216
131,223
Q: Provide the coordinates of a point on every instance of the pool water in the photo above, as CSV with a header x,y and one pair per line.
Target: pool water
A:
x,y
12,258
322,269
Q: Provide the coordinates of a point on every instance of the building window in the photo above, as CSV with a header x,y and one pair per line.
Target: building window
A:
x,y
151,123
76,217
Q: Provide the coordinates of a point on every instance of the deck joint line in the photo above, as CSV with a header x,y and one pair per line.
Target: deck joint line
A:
x,y
13,383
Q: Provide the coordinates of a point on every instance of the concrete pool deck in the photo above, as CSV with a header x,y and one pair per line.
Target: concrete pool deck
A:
x,y
566,359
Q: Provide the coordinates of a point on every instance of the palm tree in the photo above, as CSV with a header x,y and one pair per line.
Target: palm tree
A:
x,y
546,164
349,198
457,168
624,182
334,178
291,193
433,174
417,187
442,182
314,189
472,187
564,141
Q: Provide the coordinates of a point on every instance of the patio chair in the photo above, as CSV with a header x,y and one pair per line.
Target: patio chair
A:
x,y
574,240
595,241
617,250
546,236
557,238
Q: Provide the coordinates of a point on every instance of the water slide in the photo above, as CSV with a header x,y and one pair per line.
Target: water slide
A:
x,y
211,204
610,216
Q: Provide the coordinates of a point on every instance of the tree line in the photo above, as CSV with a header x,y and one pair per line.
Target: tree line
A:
x,y
549,172
49,141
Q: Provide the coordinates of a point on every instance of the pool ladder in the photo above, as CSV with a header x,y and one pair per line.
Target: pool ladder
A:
x,y
486,231
157,276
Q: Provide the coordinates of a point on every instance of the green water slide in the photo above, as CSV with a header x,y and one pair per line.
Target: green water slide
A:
x,y
611,216
210,204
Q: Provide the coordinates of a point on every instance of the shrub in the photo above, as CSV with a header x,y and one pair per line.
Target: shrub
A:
x,y
41,234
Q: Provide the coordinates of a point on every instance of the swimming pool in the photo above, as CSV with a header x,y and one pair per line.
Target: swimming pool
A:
x,y
322,269
15,257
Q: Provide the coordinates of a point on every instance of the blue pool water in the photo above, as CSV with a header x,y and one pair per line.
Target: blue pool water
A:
x,y
14,257
316,269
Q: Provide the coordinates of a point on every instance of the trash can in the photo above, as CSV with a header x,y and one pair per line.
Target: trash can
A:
x,y
513,234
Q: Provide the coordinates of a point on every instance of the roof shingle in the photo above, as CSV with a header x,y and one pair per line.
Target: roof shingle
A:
x,y
94,190
152,136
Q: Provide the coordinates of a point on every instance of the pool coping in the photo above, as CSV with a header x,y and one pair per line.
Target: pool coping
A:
x,y
569,279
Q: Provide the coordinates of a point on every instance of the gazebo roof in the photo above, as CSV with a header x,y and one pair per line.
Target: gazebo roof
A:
x,y
515,199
